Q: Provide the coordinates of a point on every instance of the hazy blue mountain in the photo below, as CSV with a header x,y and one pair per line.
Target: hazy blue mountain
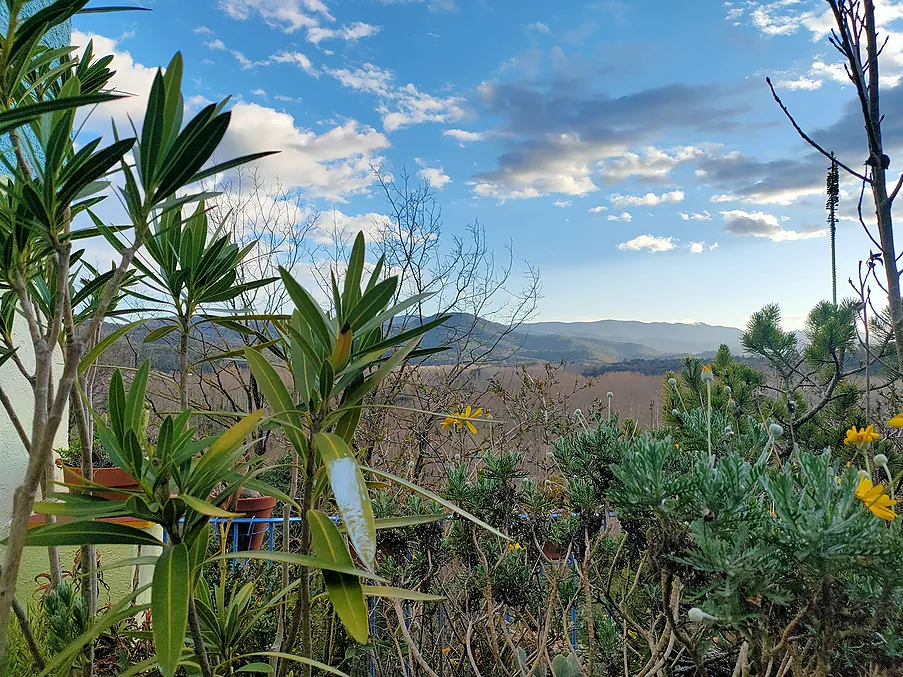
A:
x,y
664,338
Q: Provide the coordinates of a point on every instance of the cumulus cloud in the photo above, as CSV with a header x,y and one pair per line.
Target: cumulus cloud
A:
x,y
563,204
399,105
538,27
295,58
696,216
647,200
597,210
287,15
436,177
696,247
351,32
333,163
765,225
463,135
202,30
215,44
565,137
776,18
623,216
648,242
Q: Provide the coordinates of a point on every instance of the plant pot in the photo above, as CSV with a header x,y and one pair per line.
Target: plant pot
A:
x,y
115,478
250,536
553,551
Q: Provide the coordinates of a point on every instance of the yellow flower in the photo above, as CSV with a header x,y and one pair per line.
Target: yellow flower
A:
x,y
707,374
462,419
874,498
861,437
896,421
446,650
515,546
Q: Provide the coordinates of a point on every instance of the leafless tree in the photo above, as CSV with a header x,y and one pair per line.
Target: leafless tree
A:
x,y
855,36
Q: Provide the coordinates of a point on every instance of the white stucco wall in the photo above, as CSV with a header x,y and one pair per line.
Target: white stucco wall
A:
x,y
13,457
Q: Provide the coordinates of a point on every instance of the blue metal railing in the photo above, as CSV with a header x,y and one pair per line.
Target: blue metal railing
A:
x,y
247,527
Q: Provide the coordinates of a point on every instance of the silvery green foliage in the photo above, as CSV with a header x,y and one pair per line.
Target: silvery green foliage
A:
x,y
762,544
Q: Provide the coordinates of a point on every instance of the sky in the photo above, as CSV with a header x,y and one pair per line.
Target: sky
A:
x,y
629,150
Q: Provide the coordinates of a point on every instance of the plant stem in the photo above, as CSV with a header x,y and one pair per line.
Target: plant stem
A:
x,y
301,612
199,649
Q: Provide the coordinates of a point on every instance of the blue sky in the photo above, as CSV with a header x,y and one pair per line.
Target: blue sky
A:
x,y
629,150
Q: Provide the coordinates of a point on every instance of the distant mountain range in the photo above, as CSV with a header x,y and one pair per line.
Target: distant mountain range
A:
x,y
605,341
597,344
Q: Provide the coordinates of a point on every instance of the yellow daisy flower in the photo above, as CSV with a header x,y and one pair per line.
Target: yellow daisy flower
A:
x,y
874,498
463,419
896,421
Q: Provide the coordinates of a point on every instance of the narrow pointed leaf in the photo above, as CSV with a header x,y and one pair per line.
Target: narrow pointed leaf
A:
x,y
170,591
350,492
438,499
344,591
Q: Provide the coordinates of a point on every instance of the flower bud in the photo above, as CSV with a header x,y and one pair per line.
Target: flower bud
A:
x,y
775,430
732,403
881,460
610,394
675,413
707,375
672,382
457,458
727,390
697,615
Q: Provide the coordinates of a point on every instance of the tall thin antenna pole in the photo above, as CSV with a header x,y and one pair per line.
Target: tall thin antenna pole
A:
x,y
833,190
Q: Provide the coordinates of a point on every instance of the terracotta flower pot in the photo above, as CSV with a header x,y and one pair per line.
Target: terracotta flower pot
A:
x,y
250,536
115,478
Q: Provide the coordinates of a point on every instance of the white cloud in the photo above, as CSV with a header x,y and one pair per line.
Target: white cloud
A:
x,y
287,15
651,163
334,226
283,97
539,27
130,76
202,30
696,247
463,135
215,44
648,242
647,200
351,33
765,225
623,216
333,164
296,58
596,210
400,105
259,92
696,216
786,17
562,203
434,175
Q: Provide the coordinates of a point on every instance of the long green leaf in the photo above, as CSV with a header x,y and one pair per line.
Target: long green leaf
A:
x,y
104,344
297,659
204,507
20,115
278,397
89,533
300,560
309,309
399,593
344,591
351,495
437,498
170,591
